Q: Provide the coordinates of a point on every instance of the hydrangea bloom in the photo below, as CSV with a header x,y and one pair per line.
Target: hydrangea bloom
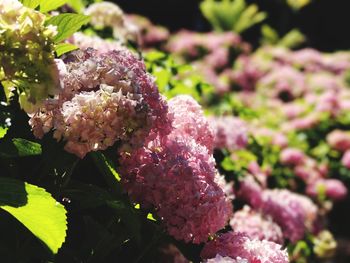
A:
x,y
294,213
107,14
292,156
238,245
345,160
332,188
176,177
246,73
190,121
149,34
175,174
192,44
27,53
101,45
250,191
339,140
220,259
285,83
229,132
105,98
256,226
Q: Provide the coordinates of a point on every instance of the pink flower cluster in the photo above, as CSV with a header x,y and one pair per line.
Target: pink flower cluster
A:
x,y
210,53
229,132
176,176
150,35
294,213
286,83
339,140
313,174
105,98
100,45
240,248
256,226
190,121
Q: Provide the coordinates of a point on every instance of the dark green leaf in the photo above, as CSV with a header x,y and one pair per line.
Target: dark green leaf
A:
x,y
18,147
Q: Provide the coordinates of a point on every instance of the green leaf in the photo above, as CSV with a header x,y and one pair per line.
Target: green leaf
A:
x,y
31,3
67,24
106,167
292,39
63,48
3,131
269,35
48,5
36,209
18,147
77,5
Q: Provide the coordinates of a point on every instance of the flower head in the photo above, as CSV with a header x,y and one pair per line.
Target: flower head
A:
x,y
237,245
105,98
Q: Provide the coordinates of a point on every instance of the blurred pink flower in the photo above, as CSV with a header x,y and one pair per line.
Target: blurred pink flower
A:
x,y
339,140
346,159
239,247
256,226
229,132
292,156
332,188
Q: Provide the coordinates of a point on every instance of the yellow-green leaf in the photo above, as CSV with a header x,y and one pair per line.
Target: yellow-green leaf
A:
x,y
36,209
63,48
67,24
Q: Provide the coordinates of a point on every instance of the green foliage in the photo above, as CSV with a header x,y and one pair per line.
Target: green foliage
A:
x,y
173,79
31,3
67,24
292,39
235,15
44,5
63,48
35,209
18,147
49,5
298,4
77,5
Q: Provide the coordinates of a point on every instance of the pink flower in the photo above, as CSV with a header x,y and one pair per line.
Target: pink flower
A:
x,y
105,98
176,176
250,191
292,156
346,159
294,213
280,140
256,226
189,120
246,73
238,246
259,174
286,83
332,188
229,132
339,140
221,259
101,45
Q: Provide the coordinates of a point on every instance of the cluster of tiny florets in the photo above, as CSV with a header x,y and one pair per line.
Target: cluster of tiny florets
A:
x,y
104,99
238,246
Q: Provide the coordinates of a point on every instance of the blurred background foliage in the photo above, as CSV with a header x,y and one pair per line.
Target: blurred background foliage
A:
x,y
324,22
